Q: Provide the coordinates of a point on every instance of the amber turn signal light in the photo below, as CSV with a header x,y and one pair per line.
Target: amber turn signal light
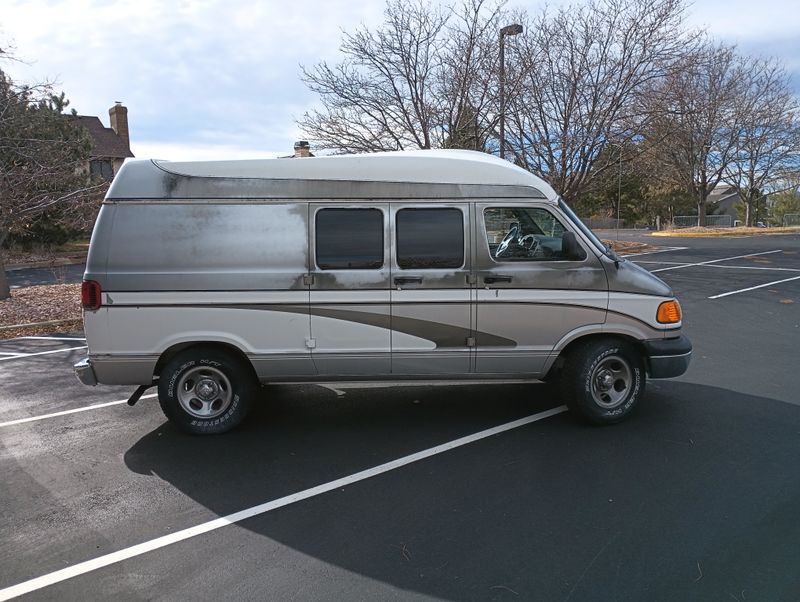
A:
x,y
669,312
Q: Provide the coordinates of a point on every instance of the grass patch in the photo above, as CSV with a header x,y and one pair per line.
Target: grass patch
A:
x,y
717,232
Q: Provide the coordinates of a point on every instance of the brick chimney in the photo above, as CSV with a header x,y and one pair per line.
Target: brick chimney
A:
x,y
119,121
302,149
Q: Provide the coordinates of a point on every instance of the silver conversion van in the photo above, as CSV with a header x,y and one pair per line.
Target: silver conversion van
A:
x,y
206,279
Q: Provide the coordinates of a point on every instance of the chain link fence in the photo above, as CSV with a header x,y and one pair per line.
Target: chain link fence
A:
x,y
603,223
712,221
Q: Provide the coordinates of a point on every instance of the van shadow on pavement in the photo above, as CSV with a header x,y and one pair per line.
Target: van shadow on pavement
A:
x,y
695,496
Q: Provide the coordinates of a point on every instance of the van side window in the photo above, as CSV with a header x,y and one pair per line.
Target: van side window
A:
x,y
523,234
430,238
349,239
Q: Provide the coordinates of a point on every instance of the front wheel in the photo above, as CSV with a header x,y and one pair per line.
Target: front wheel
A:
x,y
206,390
603,381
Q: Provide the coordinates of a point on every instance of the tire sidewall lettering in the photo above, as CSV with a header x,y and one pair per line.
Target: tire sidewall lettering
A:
x,y
176,375
633,394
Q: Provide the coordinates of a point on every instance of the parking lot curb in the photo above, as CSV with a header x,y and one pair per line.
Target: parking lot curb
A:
x,y
54,263
37,324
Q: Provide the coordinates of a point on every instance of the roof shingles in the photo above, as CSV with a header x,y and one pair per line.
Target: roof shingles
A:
x,y
107,144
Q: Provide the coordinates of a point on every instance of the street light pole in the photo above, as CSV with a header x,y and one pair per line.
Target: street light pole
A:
x,y
619,189
508,30
618,146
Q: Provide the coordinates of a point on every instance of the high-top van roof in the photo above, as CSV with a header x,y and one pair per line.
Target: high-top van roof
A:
x,y
446,169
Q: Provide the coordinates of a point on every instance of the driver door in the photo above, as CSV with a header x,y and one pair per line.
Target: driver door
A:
x,y
528,295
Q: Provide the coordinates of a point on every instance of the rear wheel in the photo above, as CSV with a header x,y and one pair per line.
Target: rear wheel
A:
x,y
206,391
603,381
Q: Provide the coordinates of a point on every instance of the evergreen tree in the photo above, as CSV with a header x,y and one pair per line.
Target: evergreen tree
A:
x,y
44,157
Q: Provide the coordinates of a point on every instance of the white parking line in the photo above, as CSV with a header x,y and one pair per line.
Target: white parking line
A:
x,y
22,355
717,266
752,267
689,265
667,250
752,288
166,540
96,406
664,262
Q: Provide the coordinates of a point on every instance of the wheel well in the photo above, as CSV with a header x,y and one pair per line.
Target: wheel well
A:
x,y
181,347
599,336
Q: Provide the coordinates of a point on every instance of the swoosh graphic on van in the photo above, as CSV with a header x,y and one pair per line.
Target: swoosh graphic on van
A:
x,y
442,335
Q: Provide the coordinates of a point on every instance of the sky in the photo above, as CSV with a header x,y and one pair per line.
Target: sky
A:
x,y
220,79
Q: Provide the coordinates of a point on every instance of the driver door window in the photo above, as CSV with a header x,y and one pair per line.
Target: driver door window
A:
x,y
523,234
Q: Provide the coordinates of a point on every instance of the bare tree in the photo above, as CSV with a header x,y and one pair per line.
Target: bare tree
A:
x,y
378,97
43,155
699,119
466,84
424,79
583,71
768,142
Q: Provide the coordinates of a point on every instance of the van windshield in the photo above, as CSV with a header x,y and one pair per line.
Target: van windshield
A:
x,y
581,226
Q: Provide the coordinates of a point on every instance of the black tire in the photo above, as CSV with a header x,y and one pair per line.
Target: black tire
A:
x,y
206,391
603,381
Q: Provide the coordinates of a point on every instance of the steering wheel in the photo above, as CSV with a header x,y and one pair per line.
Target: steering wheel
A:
x,y
507,239
530,242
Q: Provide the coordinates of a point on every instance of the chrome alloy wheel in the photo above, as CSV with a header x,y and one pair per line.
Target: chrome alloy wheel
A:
x,y
611,381
204,392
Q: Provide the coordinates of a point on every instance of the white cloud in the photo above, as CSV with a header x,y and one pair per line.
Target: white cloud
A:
x,y
202,77
746,20
208,152
208,74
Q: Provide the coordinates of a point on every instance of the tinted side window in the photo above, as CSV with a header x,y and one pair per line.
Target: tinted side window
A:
x,y
430,238
349,239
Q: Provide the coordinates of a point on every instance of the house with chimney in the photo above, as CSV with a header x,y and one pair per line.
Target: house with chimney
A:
x,y
110,145
301,149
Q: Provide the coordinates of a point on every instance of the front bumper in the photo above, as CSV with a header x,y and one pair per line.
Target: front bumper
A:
x,y
668,357
85,372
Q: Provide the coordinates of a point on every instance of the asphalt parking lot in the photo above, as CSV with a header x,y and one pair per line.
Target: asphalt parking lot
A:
x,y
64,274
413,492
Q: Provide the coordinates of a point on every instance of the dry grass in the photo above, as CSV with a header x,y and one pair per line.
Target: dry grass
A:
x,y
626,247
698,231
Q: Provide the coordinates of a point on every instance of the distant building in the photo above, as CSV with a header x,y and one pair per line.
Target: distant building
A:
x,y
722,200
110,146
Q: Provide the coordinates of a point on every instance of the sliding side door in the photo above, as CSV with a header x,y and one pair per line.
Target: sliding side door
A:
x,y
349,289
431,291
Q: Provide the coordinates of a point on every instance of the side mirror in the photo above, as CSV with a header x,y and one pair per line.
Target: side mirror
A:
x,y
570,248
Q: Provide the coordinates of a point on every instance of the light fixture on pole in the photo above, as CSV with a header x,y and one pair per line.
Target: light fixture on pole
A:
x,y
508,30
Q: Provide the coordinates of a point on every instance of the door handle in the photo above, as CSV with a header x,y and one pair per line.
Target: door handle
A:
x,y
408,280
493,279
